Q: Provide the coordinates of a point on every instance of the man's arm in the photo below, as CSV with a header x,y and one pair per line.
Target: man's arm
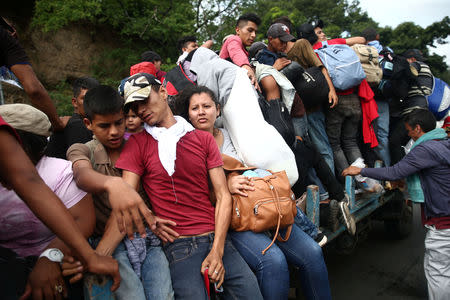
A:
x,y
208,44
213,261
419,158
118,191
160,226
332,96
19,173
37,93
355,40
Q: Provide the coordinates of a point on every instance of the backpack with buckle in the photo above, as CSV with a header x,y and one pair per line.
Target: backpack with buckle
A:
x,y
369,58
343,65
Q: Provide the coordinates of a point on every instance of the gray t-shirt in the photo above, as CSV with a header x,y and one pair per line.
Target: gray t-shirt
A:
x,y
227,146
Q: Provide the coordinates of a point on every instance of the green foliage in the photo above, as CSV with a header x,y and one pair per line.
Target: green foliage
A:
x,y
153,23
411,36
157,25
62,97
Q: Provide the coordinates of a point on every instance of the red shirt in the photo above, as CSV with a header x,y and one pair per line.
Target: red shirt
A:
x,y
184,196
8,127
318,45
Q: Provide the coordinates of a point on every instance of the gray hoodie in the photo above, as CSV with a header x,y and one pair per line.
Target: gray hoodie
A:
x,y
213,72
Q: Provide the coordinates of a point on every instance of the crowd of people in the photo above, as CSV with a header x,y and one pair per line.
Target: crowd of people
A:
x,y
156,148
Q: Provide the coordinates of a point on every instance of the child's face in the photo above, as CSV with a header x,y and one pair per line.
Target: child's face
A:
x,y
108,129
133,122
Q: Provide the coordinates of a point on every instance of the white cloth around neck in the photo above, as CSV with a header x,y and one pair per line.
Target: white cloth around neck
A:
x,y
167,141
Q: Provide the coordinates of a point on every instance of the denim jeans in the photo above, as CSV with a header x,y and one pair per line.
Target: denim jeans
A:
x,y
318,136
155,275
185,257
300,126
305,224
342,128
382,132
271,269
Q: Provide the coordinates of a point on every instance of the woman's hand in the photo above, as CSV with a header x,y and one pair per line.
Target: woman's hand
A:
x,y
239,184
45,281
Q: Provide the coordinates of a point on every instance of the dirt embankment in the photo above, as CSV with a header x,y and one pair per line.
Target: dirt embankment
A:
x,y
63,55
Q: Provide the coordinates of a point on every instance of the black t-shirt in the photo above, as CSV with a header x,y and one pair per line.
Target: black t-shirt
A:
x,y
74,132
11,53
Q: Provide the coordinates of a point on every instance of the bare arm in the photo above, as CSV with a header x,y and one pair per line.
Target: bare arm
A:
x,y
332,96
355,40
19,172
37,93
222,222
208,44
47,274
120,195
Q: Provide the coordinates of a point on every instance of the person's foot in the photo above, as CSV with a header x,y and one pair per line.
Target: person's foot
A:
x,y
333,221
346,217
321,239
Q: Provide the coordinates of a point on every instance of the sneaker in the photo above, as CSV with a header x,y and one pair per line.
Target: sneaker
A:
x,y
321,239
333,221
346,217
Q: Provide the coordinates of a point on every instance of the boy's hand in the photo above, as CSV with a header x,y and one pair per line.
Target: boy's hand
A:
x,y
127,206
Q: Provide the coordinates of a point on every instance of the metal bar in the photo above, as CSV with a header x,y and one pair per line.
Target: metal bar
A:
x,y
313,204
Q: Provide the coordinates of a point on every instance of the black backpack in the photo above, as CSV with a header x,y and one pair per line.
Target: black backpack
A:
x,y
310,84
398,75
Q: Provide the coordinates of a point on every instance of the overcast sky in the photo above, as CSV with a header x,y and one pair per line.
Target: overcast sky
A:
x,y
422,12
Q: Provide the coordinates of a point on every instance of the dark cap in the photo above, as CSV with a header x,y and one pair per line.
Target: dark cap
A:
x,y
255,48
281,31
416,53
317,23
306,31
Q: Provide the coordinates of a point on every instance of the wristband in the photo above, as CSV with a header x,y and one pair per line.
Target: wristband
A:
x,y
53,254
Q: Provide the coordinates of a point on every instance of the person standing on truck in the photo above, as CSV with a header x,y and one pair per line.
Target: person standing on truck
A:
x,y
429,158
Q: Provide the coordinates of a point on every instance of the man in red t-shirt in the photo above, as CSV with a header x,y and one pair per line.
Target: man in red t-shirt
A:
x,y
175,162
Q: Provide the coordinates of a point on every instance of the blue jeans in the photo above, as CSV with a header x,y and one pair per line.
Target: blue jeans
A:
x,y
318,136
155,275
382,132
185,257
305,224
300,126
271,269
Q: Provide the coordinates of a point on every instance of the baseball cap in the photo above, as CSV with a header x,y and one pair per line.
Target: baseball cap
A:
x,y
138,87
281,31
305,30
317,23
255,49
416,53
27,118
